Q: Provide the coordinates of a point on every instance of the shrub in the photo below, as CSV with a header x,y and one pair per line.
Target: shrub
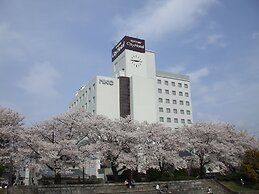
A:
x,y
250,166
153,174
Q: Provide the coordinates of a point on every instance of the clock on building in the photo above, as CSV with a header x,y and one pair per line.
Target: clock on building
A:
x,y
136,60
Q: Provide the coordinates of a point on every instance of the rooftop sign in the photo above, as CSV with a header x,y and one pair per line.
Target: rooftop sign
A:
x,y
129,43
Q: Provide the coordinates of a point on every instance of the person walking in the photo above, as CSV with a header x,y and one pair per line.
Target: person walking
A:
x,y
209,190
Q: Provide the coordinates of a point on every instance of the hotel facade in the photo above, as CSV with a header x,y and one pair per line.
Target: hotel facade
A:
x,y
137,89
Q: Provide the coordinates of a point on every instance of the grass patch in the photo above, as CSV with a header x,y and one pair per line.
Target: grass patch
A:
x,y
239,188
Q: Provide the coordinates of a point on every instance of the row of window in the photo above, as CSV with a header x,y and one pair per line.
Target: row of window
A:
x,y
176,120
186,94
167,100
85,107
77,101
83,95
175,111
180,85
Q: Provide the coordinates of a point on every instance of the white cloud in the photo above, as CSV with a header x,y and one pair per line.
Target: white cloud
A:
x,y
6,33
230,99
11,42
201,116
192,39
198,74
177,68
215,40
159,18
255,35
41,81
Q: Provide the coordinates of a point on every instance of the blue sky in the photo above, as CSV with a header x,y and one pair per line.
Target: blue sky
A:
x,y
48,49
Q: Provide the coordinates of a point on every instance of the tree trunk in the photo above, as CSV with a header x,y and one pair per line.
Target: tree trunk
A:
x,y
114,168
57,179
11,172
161,166
16,182
83,174
201,170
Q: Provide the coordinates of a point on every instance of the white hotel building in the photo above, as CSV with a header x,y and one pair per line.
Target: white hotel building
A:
x,y
136,88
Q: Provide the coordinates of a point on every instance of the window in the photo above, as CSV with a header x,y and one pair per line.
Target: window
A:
x,y
180,94
174,92
174,102
182,121
188,112
168,119
93,112
175,120
167,100
167,91
173,83
181,102
89,101
83,95
161,119
182,111
166,83
187,103
159,90
175,111
186,94
94,99
179,85
161,109
160,99
168,110
185,85
86,105
159,81
189,121
94,86
90,90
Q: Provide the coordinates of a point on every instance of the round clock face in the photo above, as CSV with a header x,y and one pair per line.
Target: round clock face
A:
x,y
136,60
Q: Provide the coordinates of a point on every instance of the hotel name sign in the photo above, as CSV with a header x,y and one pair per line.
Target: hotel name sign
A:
x,y
129,43
106,82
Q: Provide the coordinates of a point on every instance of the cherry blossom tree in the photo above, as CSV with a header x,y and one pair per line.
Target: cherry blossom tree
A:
x,y
216,146
138,146
159,147
11,123
54,143
75,137
96,138
117,144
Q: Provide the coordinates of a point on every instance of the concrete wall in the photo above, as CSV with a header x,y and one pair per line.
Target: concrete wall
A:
x,y
143,99
177,187
151,64
107,97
